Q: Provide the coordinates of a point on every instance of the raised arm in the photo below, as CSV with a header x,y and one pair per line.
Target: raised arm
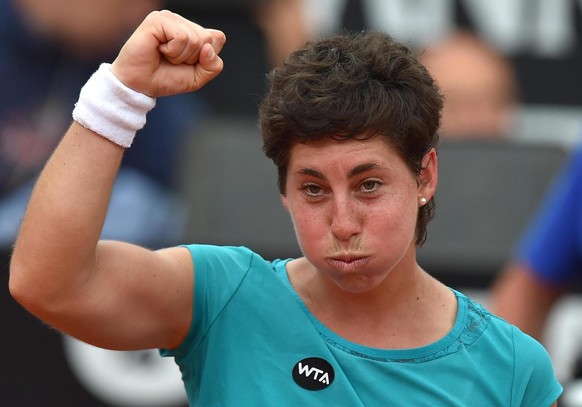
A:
x,y
111,294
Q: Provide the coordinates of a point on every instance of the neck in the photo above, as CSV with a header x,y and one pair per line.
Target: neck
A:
x,y
408,309
405,282
400,291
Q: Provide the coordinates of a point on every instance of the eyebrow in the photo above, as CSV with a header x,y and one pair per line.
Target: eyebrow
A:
x,y
353,172
362,168
311,172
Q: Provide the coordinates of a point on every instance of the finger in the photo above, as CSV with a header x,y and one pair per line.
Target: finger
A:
x,y
208,67
180,39
182,47
218,39
215,38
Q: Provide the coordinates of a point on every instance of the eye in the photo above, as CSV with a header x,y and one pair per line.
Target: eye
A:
x,y
370,185
312,190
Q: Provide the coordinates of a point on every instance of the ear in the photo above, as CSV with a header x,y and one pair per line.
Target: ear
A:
x,y
428,178
284,201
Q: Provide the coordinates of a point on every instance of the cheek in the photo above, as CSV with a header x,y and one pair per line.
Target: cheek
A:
x,y
394,220
307,222
310,227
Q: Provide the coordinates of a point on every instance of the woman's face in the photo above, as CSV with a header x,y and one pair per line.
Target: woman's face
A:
x,y
354,206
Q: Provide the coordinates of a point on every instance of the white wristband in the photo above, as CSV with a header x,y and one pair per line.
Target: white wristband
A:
x,y
110,108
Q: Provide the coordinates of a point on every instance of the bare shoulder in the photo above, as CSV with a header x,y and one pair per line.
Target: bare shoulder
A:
x,y
179,257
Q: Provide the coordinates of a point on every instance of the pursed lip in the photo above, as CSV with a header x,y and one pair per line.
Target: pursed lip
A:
x,y
347,261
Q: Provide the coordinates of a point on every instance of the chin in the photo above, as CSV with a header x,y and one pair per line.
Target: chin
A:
x,y
357,284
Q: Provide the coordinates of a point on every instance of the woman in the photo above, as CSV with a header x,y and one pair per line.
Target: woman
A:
x,y
351,123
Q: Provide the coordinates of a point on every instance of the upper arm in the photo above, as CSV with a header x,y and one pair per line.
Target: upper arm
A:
x,y
534,381
134,298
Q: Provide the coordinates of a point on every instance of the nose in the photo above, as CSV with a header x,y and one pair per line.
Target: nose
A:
x,y
346,220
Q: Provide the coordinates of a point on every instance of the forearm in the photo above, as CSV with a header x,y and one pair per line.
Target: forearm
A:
x,y
520,298
65,215
55,250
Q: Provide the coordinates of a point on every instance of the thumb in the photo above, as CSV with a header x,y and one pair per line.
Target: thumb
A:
x,y
209,65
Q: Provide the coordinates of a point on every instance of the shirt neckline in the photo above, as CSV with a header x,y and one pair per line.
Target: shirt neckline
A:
x,y
433,350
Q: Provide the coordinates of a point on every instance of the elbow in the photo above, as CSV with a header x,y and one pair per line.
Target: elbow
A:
x,y
40,289
19,287
34,296
30,292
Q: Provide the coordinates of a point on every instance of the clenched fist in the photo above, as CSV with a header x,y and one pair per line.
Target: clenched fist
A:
x,y
168,54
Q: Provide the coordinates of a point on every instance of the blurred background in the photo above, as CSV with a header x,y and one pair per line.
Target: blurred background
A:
x,y
509,71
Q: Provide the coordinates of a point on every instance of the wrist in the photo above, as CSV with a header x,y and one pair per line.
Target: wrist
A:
x,y
109,108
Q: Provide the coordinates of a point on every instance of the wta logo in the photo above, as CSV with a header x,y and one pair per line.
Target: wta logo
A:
x,y
313,373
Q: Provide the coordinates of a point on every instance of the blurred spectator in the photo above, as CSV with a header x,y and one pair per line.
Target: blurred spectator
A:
x,y
478,84
284,26
48,50
548,260
260,33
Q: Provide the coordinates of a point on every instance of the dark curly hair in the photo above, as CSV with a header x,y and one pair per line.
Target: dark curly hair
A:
x,y
353,85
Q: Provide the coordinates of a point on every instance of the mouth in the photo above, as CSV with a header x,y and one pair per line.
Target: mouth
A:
x,y
347,261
